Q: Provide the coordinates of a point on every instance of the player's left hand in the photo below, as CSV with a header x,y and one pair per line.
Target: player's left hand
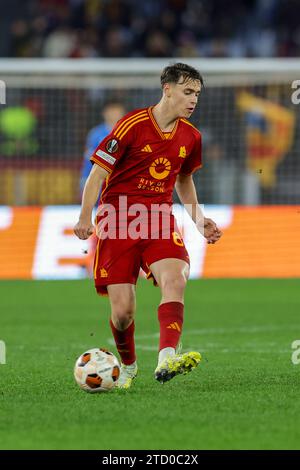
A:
x,y
211,231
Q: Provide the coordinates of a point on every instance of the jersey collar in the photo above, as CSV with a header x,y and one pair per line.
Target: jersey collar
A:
x,y
164,136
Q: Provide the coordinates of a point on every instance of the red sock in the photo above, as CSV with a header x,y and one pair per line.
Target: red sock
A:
x,y
170,317
125,343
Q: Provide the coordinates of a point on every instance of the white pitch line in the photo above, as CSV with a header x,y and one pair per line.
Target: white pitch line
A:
x,y
214,347
144,347
230,330
252,348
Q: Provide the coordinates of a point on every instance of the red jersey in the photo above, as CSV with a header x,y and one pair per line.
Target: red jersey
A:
x,y
143,162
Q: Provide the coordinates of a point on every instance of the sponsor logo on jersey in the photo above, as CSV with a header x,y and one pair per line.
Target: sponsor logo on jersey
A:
x,y
160,168
112,146
103,272
106,157
147,148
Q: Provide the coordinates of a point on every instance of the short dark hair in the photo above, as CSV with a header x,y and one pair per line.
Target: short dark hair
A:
x,y
172,74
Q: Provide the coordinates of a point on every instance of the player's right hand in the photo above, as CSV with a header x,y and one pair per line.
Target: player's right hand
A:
x,y
83,230
211,232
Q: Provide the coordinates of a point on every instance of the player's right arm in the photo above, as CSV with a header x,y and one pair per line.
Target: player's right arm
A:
x,y
84,227
105,159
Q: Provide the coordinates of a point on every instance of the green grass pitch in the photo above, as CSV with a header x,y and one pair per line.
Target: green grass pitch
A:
x,y
244,395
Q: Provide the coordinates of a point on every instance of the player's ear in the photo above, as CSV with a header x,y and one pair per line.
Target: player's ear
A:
x,y
167,89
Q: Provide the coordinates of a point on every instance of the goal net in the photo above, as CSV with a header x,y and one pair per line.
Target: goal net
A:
x,y
245,112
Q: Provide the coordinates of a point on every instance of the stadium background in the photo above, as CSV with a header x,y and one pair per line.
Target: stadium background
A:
x,y
250,152
61,60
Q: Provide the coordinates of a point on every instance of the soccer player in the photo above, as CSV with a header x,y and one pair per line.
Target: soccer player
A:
x,y
148,152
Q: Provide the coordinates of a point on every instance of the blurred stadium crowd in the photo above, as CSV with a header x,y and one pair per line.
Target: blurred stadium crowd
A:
x,y
152,28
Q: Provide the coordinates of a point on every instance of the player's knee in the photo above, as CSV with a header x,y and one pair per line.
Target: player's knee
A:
x,y
174,283
122,315
122,322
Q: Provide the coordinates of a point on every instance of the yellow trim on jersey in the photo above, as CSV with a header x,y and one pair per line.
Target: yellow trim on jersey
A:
x,y
96,259
93,159
106,185
155,123
123,124
189,123
163,136
174,130
124,129
133,124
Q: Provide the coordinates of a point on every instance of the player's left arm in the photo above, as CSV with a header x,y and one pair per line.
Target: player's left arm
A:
x,y
186,191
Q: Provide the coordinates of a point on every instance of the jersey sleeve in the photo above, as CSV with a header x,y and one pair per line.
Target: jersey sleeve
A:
x,y
111,148
194,160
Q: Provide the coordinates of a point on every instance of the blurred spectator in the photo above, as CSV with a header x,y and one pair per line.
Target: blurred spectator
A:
x,y
154,28
158,45
187,45
112,111
116,43
60,43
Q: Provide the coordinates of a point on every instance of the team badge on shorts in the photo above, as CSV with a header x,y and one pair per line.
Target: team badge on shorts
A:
x,y
112,146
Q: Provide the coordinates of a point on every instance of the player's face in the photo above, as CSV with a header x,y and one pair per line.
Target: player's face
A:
x,y
184,96
113,113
